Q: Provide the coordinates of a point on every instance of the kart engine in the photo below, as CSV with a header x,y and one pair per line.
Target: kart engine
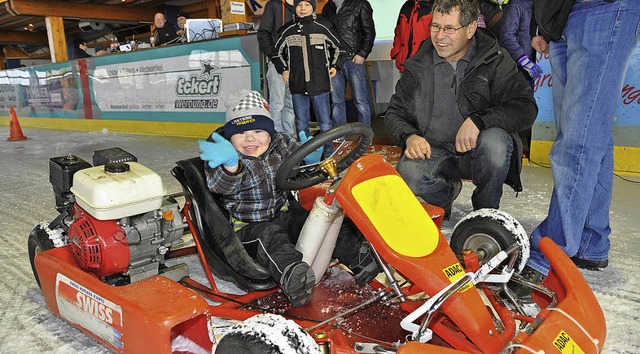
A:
x,y
118,222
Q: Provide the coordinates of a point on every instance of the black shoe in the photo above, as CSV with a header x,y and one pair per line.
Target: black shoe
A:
x,y
531,275
367,268
457,187
297,282
590,265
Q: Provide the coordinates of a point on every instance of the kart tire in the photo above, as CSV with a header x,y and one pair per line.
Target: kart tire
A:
x,y
38,241
244,343
487,232
266,334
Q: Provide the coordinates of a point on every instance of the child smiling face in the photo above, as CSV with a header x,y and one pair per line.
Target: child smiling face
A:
x,y
251,142
304,9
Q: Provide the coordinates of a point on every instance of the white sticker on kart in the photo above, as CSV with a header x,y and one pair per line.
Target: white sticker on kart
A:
x,y
89,310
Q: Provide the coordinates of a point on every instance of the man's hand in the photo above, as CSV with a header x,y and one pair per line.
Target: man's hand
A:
x,y
219,152
540,44
332,72
358,59
417,148
467,136
285,77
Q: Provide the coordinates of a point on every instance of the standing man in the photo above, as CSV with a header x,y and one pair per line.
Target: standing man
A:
x,y
354,21
457,111
589,59
276,14
164,32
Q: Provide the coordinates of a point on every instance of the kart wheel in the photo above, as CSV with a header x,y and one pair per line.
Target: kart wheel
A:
x,y
487,232
38,241
292,175
266,334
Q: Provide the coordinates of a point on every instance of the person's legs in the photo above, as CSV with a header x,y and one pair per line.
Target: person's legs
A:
x,y
302,108
357,77
338,91
280,102
590,64
425,177
487,166
274,251
322,108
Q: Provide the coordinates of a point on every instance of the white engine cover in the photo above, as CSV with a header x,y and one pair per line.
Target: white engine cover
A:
x,y
108,196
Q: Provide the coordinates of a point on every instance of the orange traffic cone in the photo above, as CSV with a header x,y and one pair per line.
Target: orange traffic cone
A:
x,y
14,126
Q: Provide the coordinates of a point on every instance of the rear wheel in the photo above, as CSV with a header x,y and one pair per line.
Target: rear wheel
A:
x,y
266,334
487,232
38,242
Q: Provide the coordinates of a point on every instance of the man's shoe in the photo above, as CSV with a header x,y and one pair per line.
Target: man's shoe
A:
x,y
590,265
367,268
457,187
531,275
297,282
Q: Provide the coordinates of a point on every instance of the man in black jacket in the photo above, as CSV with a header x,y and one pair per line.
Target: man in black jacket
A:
x,y
457,110
276,14
354,21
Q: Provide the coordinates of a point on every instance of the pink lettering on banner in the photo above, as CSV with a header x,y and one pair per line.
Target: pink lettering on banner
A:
x,y
541,81
630,94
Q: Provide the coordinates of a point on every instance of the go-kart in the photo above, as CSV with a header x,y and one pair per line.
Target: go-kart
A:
x,y
107,265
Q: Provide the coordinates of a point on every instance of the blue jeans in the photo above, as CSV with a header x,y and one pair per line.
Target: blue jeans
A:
x,y
357,76
280,104
589,64
322,109
487,166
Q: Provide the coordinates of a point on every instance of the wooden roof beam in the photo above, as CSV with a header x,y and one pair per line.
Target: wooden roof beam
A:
x,y
22,37
79,11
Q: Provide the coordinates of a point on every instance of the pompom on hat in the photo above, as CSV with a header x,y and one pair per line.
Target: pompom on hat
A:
x,y
312,2
247,110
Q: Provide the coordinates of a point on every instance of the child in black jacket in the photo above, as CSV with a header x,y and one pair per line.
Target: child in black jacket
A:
x,y
308,55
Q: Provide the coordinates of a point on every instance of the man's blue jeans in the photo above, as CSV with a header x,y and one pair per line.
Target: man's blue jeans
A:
x,y
487,166
322,109
589,64
280,103
356,74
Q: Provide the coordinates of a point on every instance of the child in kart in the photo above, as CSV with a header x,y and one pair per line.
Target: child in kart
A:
x,y
241,166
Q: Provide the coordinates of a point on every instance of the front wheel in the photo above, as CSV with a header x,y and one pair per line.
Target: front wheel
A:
x,y
266,334
38,241
487,232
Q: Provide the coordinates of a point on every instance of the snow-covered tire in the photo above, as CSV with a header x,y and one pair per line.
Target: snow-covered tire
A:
x,y
487,232
267,334
38,241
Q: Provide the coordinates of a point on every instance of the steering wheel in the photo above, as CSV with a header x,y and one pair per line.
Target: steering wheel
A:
x,y
294,175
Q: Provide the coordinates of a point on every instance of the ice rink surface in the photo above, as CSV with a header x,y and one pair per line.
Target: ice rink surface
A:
x,y
27,326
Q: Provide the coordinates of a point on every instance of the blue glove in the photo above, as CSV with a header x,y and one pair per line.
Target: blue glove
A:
x,y
313,157
532,68
219,152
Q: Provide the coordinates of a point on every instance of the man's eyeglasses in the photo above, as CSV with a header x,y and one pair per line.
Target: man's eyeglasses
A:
x,y
435,29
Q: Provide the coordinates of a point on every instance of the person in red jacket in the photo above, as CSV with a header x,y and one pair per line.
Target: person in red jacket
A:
x,y
411,30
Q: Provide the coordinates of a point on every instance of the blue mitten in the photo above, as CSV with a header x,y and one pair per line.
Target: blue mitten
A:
x,y
316,155
219,152
532,68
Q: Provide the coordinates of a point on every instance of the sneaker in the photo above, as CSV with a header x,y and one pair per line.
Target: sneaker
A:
x,y
590,265
297,282
531,275
367,268
457,187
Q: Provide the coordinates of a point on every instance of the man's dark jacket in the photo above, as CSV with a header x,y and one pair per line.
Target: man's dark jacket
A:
x,y
308,48
354,23
492,93
270,24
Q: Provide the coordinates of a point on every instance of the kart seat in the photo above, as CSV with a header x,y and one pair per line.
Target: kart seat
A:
x,y
225,255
